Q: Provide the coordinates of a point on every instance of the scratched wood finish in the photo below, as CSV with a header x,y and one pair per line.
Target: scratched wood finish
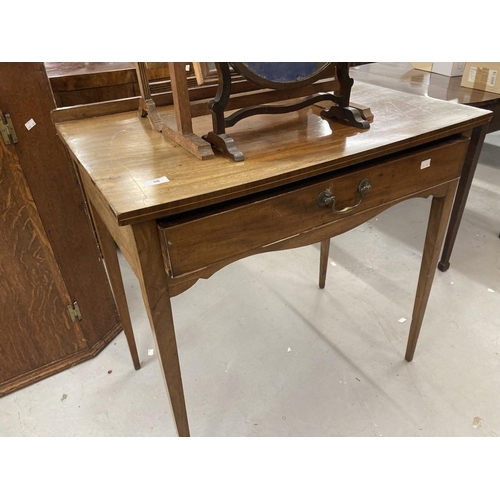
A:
x,y
52,182
32,291
402,76
239,227
121,152
117,154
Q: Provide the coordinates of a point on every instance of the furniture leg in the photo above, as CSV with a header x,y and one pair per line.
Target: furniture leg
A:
x,y
155,292
147,106
323,262
470,163
115,278
438,219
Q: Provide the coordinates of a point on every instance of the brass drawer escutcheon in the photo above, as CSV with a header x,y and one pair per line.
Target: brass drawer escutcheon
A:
x,y
326,197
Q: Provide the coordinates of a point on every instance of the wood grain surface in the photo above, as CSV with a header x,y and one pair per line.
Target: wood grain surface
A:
x,y
58,197
120,152
238,227
32,291
49,255
218,211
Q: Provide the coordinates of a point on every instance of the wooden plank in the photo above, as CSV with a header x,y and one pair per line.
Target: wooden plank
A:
x,y
198,147
182,131
181,98
99,94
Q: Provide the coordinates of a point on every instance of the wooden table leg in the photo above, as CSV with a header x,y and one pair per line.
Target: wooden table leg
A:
x,y
438,220
154,285
469,168
108,249
323,262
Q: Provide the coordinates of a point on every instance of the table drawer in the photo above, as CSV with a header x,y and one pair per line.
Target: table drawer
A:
x,y
192,242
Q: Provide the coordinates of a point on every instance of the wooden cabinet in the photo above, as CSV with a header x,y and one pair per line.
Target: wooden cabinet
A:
x,y
49,256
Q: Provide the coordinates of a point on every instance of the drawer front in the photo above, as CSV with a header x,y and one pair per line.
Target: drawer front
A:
x,y
192,243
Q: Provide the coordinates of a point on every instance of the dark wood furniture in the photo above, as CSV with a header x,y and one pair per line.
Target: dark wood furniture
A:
x,y
328,83
235,87
178,219
56,305
402,76
75,83
81,83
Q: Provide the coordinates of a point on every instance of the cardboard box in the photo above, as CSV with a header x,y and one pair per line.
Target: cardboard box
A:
x,y
482,76
442,68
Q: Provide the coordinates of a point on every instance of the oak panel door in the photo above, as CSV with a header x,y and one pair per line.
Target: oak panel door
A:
x,y
25,93
47,244
35,326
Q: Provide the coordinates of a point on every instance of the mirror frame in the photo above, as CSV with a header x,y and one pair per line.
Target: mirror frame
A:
x,y
331,83
326,71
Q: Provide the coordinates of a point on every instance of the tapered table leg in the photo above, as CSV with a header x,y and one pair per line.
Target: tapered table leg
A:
x,y
323,262
438,220
108,249
154,286
469,168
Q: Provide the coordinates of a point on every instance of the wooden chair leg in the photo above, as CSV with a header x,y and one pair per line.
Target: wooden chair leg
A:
x,y
436,229
108,249
155,292
323,262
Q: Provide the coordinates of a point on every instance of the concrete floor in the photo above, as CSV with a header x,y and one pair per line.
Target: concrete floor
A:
x,y
265,352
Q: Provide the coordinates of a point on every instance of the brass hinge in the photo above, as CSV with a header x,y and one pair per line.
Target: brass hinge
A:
x,y
74,312
7,129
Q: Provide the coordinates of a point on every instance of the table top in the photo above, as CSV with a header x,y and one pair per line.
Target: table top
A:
x,y
121,153
402,76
